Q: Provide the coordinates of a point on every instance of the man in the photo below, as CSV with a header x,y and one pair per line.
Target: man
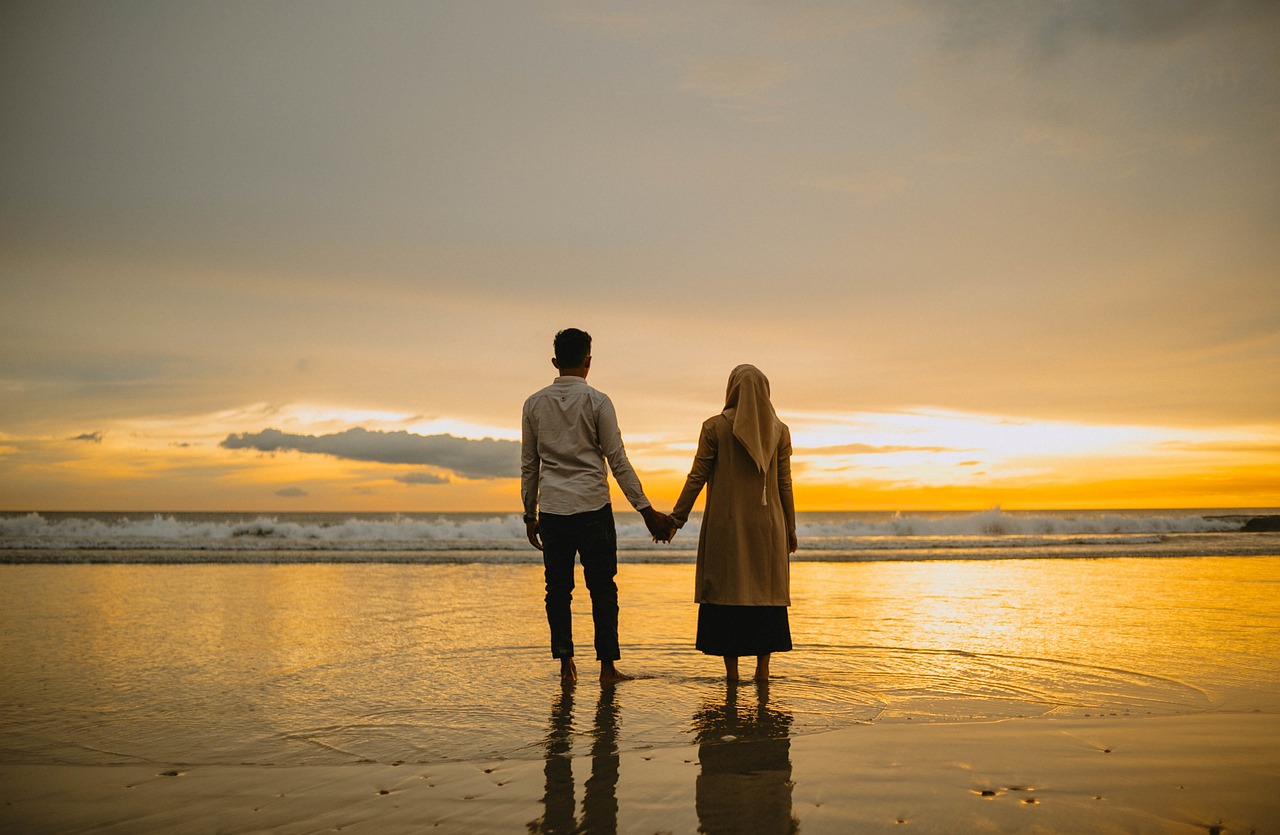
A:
x,y
569,432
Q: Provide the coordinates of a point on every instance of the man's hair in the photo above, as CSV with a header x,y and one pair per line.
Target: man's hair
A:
x,y
572,348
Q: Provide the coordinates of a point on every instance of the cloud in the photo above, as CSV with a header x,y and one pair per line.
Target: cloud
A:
x,y
292,493
869,449
1247,447
736,77
476,459
1050,29
873,186
96,437
422,478
589,16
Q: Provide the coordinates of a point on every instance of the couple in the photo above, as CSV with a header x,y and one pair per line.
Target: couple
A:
x,y
742,584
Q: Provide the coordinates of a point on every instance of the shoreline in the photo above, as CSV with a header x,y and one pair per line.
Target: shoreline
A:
x,y
1223,511
1185,546
1205,772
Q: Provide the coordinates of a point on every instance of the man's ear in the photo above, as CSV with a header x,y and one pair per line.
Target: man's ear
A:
x,y
553,362
587,362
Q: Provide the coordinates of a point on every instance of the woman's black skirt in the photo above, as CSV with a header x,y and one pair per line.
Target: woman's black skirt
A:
x,y
743,630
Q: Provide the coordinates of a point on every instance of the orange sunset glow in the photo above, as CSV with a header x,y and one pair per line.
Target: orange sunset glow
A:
x,y
1024,259
309,520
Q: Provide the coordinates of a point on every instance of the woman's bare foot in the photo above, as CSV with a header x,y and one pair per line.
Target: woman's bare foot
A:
x,y
568,671
610,674
762,668
731,669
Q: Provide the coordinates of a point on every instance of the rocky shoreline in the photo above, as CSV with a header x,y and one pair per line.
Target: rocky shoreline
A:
x,y
1254,524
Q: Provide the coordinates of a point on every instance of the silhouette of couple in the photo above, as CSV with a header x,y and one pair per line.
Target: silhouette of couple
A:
x,y
570,443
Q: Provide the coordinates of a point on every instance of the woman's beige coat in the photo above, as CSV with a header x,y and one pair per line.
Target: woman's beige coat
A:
x,y
742,549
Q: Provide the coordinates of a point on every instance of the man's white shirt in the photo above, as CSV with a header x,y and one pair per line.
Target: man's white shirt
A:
x,y
569,432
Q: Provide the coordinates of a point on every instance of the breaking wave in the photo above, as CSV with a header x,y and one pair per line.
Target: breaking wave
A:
x,y
823,535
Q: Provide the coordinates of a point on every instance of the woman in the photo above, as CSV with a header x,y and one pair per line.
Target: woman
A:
x,y
748,528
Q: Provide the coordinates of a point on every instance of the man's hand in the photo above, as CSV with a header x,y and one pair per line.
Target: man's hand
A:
x,y
659,524
792,542
531,531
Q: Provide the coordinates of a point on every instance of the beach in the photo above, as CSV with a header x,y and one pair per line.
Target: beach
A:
x,y
309,305
1049,695
1193,774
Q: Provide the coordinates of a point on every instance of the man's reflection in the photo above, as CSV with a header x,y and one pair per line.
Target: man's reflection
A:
x,y
600,803
557,799
745,754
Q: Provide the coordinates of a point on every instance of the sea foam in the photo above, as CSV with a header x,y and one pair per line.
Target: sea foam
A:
x,y
828,532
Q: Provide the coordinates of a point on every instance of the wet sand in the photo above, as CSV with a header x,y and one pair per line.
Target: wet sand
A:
x,y
1047,696
1193,774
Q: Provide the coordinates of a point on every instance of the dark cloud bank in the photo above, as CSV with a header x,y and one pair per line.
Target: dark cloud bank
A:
x,y
477,459
1051,28
421,478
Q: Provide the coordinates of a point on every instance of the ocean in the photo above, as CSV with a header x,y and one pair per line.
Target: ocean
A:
x,y
426,538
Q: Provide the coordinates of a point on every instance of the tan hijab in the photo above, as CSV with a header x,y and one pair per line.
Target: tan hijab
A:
x,y
755,423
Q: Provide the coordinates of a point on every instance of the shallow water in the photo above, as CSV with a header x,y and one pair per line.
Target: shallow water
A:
x,y
297,664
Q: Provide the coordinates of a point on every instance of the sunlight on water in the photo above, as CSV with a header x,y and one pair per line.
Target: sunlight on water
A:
x,y
413,663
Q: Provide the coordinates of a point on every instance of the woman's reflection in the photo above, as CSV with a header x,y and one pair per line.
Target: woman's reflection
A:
x,y
745,754
600,802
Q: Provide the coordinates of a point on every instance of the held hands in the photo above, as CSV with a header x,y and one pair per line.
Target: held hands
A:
x,y
659,524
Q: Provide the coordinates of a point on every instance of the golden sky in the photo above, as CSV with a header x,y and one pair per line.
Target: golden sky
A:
x,y
309,256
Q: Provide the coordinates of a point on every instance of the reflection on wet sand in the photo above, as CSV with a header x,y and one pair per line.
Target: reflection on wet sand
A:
x,y
600,805
600,801
745,756
744,751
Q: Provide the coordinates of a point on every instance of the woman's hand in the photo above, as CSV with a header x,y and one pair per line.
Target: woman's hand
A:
x,y
792,542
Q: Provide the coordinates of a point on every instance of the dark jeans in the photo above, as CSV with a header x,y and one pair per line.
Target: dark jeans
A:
x,y
592,536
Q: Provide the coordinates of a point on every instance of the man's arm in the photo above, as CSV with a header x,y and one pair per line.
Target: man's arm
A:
x,y
530,469
610,437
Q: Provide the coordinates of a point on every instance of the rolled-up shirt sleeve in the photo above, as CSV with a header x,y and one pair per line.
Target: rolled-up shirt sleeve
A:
x,y
610,440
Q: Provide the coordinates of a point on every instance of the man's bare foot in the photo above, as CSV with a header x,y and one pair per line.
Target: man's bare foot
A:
x,y
610,674
568,671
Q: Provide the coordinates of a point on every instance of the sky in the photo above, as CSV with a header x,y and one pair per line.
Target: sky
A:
x,y
310,256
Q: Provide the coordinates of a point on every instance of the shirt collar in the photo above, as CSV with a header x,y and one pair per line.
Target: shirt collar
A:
x,y
570,380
